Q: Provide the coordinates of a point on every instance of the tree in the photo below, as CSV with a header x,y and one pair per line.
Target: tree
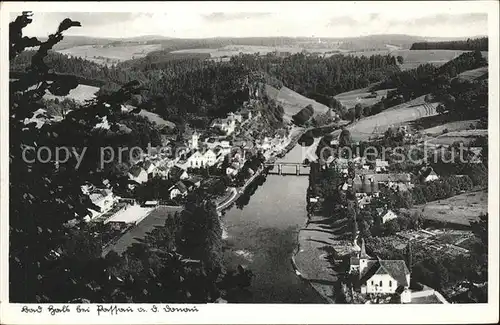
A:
x,y
345,138
41,205
358,111
399,58
440,109
391,227
201,233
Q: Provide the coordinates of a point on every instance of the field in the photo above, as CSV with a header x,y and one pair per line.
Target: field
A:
x,y
156,119
459,209
376,125
232,50
79,94
293,102
450,127
474,74
107,54
465,136
351,98
414,58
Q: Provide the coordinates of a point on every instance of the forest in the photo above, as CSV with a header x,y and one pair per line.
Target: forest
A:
x,y
464,97
479,44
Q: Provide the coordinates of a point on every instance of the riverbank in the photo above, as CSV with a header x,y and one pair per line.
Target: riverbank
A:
x,y
317,258
321,245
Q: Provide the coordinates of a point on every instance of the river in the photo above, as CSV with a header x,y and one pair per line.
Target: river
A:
x,y
263,236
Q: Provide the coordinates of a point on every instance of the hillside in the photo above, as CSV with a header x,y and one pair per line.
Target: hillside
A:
x,y
474,74
293,102
156,119
460,209
361,96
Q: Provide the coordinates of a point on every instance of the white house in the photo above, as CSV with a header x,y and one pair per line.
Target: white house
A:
x,y
161,171
149,166
386,215
138,174
476,151
176,173
431,177
104,199
235,117
179,189
377,276
210,158
231,171
196,160
227,125
381,165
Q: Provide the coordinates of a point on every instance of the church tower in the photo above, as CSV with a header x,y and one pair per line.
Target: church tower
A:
x,y
194,140
363,257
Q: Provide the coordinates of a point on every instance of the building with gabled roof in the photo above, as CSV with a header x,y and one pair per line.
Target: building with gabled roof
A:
x,y
377,276
179,189
176,173
138,174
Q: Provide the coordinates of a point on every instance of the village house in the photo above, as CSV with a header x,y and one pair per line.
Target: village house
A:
x,y
386,215
179,189
148,166
359,162
377,276
210,157
404,178
193,181
265,144
176,173
429,175
161,172
365,184
212,143
363,199
476,152
231,171
235,117
246,113
381,165
104,199
227,125
138,174
195,160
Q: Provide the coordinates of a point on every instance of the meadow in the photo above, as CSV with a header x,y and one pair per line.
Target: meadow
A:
x,y
79,94
373,126
293,102
473,74
460,209
110,54
360,96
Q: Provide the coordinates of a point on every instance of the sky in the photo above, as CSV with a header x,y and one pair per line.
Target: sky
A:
x,y
261,19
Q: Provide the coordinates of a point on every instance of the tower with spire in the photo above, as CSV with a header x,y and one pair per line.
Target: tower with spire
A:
x,y
193,143
363,257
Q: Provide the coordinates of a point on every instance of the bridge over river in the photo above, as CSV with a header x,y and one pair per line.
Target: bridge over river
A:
x,y
288,168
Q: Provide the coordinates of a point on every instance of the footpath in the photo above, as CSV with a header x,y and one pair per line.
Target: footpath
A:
x,y
319,244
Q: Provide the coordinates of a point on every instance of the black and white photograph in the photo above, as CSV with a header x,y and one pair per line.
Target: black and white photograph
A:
x,y
171,159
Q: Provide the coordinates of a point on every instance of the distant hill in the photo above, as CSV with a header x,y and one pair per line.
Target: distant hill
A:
x,y
469,44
